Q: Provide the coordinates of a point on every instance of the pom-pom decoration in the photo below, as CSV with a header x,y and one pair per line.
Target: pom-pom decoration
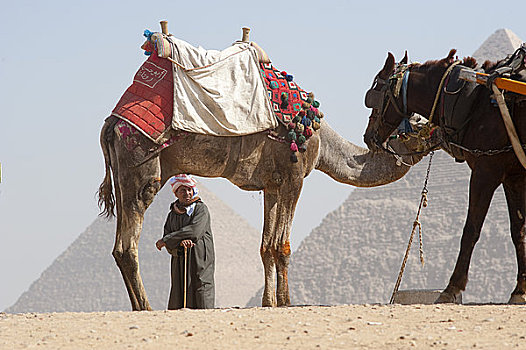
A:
x,y
300,128
293,147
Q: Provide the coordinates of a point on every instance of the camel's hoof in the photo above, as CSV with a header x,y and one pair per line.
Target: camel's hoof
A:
x,y
447,297
517,299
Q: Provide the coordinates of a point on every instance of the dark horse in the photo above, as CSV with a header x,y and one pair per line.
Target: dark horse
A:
x,y
484,145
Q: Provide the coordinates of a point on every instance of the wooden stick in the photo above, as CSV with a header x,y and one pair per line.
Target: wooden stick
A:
x,y
502,83
164,27
510,128
246,30
185,270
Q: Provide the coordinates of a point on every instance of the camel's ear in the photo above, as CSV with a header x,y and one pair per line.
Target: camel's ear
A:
x,y
388,66
451,56
404,60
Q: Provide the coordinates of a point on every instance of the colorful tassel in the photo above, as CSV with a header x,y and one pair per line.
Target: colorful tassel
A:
x,y
291,135
147,34
301,140
297,118
306,121
303,148
316,119
300,128
310,114
289,77
316,104
301,113
283,73
315,125
292,126
293,147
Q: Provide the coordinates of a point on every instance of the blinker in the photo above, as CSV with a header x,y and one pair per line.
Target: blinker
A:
x,y
374,99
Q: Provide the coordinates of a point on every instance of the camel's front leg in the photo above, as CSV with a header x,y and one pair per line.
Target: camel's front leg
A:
x,y
279,212
481,189
267,250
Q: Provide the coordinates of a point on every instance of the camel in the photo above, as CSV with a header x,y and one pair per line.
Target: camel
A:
x,y
255,162
252,162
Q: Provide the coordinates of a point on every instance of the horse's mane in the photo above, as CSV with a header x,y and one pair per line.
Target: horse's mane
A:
x,y
468,61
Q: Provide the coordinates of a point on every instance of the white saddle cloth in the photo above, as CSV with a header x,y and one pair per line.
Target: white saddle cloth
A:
x,y
219,93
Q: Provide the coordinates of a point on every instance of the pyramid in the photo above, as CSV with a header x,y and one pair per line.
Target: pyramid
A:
x,y
355,254
85,277
499,44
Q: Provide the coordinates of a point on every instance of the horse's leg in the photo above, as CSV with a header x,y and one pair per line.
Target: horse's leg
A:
x,y
483,184
135,189
266,250
514,188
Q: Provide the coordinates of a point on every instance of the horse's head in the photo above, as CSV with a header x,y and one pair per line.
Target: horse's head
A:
x,y
395,95
383,119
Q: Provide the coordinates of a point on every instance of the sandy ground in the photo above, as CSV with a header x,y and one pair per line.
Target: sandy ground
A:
x,y
308,327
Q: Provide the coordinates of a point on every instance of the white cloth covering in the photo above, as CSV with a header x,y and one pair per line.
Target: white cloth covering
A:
x,y
219,93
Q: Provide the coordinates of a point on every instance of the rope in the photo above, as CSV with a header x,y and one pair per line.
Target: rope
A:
x,y
416,223
439,91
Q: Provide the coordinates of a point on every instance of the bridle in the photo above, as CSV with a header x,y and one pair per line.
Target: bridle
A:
x,y
390,89
384,92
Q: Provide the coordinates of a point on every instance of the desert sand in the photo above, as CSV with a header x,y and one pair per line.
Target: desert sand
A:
x,y
305,327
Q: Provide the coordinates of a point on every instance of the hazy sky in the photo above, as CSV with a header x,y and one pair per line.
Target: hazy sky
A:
x,y
64,65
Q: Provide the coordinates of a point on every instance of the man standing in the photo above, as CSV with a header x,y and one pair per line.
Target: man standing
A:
x,y
188,226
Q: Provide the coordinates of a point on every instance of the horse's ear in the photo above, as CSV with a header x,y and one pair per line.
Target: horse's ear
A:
x,y
388,66
404,60
451,56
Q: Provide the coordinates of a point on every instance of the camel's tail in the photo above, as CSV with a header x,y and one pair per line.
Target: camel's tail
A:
x,y
106,196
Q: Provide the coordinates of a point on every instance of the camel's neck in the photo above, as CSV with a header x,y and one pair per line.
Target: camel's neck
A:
x,y
348,163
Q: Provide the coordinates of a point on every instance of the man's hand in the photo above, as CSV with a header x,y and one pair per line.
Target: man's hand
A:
x,y
160,244
187,243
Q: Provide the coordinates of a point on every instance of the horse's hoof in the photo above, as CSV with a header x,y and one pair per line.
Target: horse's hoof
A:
x,y
517,299
447,297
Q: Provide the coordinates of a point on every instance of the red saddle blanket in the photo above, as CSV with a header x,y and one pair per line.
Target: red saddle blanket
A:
x,y
148,103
